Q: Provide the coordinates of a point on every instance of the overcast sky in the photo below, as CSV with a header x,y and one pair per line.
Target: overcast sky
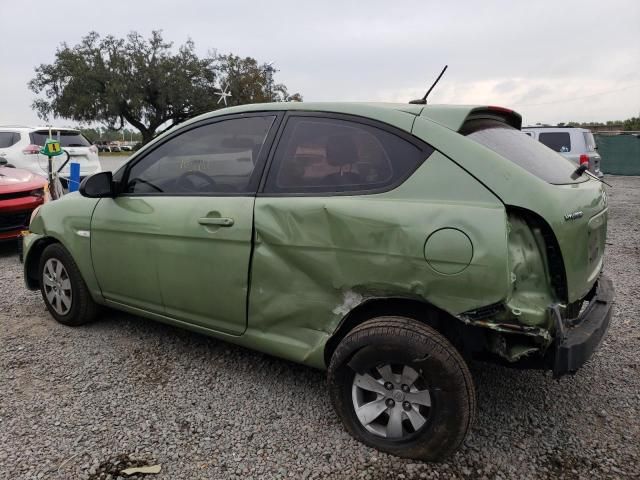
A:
x,y
552,61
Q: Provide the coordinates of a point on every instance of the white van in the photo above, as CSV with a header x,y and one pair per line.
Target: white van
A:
x,y
576,144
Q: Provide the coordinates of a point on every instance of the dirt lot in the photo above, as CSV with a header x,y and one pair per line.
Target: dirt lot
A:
x,y
84,402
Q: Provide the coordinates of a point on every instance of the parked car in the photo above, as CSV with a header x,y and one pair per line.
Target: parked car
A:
x,y
20,146
103,147
126,148
21,192
115,147
386,243
576,144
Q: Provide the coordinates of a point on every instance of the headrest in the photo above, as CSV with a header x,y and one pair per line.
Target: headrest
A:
x,y
341,150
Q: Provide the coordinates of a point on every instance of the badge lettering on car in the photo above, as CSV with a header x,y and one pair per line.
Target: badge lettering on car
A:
x,y
573,215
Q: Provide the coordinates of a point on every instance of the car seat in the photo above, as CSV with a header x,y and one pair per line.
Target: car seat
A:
x,y
342,151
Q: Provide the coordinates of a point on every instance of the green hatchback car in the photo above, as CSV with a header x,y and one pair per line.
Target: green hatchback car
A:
x,y
386,243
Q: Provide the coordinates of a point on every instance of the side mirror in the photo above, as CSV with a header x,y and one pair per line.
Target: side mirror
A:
x,y
99,185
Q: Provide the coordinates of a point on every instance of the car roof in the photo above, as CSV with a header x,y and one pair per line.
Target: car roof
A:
x,y
450,116
337,107
26,128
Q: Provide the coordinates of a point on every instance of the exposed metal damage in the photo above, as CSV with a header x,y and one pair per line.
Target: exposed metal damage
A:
x,y
351,300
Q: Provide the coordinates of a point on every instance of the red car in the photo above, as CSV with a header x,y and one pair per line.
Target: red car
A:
x,y
20,193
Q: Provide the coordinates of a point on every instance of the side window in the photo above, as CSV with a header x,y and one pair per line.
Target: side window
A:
x,y
8,139
215,158
325,155
556,141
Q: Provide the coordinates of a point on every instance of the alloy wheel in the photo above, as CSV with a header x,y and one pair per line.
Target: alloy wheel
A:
x,y
391,401
57,286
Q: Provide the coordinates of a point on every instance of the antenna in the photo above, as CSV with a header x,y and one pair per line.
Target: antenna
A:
x,y
423,100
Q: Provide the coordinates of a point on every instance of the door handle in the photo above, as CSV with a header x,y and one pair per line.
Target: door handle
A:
x,y
219,221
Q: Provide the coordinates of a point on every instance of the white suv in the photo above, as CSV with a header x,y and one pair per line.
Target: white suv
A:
x,y
20,146
576,144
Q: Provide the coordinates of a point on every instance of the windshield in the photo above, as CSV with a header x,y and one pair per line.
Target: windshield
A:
x,y
522,150
68,138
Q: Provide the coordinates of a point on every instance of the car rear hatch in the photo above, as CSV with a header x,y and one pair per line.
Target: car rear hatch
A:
x,y
72,142
581,234
572,205
594,157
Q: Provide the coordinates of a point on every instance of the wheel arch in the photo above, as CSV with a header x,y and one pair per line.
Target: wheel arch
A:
x,y
420,310
32,261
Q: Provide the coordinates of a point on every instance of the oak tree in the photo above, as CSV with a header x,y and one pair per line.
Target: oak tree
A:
x,y
146,83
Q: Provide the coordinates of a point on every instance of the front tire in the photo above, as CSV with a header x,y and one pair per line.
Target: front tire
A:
x,y
401,387
63,290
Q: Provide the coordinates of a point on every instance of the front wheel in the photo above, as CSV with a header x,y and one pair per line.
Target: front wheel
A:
x,y
401,387
63,290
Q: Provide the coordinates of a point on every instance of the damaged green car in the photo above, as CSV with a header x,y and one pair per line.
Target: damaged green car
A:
x,y
386,243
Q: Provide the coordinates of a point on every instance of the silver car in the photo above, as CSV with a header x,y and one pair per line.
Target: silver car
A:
x,y
576,144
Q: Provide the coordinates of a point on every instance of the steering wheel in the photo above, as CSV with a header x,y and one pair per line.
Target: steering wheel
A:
x,y
183,182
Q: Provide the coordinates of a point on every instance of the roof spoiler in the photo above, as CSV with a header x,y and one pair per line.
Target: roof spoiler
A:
x,y
503,114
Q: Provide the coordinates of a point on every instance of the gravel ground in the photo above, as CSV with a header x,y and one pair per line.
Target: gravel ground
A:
x,y
80,403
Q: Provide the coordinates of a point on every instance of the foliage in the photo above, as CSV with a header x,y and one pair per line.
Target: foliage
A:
x,y
630,124
146,83
250,82
98,134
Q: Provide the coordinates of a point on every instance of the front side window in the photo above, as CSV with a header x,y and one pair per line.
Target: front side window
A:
x,y
215,158
556,141
326,155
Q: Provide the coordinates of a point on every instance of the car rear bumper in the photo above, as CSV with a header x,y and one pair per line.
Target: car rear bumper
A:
x,y
579,338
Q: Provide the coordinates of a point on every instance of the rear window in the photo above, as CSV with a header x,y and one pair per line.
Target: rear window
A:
x,y
8,139
522,150
67,138
589,141
556,141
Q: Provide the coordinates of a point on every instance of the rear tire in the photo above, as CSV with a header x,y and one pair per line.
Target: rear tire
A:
x,y
401,387
63,290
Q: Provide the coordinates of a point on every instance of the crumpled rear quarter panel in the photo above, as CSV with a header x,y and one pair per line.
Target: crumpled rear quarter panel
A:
x,y
316,258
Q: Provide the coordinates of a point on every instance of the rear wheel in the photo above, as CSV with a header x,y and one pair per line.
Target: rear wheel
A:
x,y
401,387
63,290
